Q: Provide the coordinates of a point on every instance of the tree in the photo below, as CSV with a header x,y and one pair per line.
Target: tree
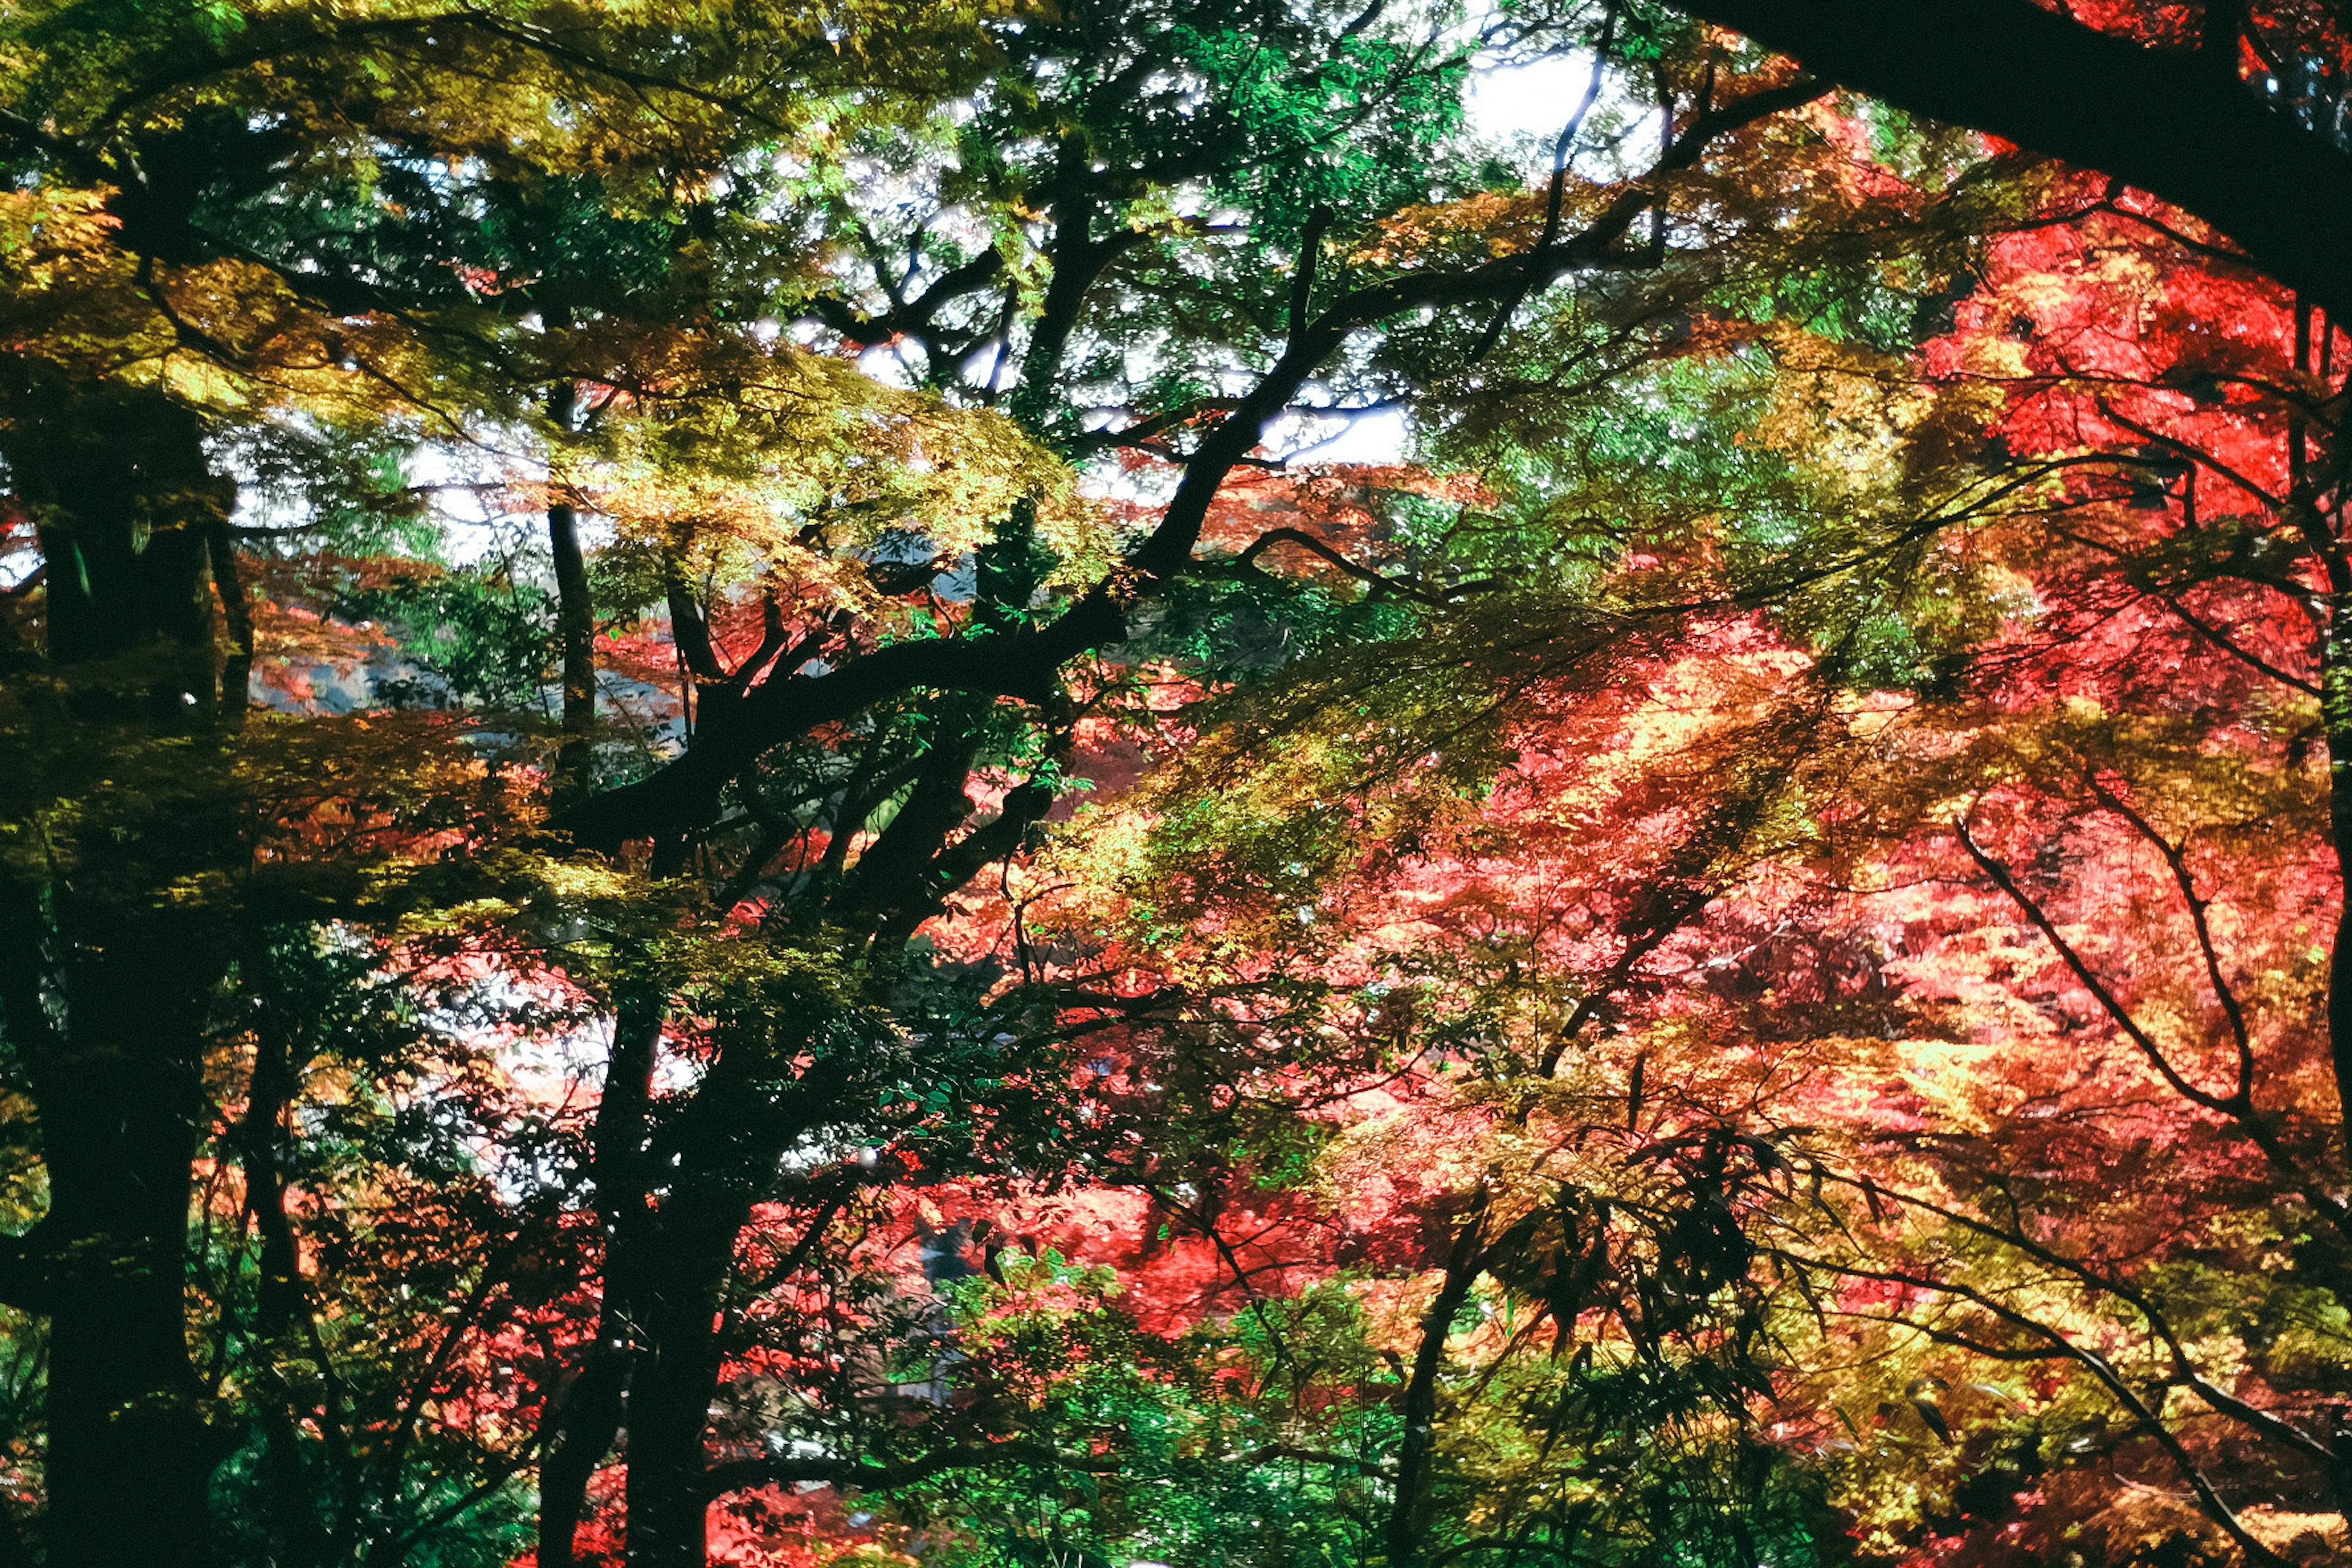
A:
x,y
2127,699
1613,951
832,801
223,226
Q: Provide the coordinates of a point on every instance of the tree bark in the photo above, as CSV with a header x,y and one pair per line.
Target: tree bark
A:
x,y
108,983
2335,683
724,1151
674,1377
588,1413
281,1301
237,615
575,621
130,1457
126,506
1409,1510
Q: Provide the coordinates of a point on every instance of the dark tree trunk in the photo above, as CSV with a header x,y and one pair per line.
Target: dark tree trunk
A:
x,y
586,1423
588,1413
673,1382
576,621
1408,1509
576,612
237,667
108,983
2335,676
727,1146
126,508
130,1457
299,1538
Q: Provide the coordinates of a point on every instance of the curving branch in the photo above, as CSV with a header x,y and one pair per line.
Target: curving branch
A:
x,y
2110,1003
1377,582
2237,1107
2176,859
2109,1377
1557,193
2266,1423
907,318
1025,663
2173,123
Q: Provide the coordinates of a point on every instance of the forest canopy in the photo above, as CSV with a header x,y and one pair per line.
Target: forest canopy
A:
x,y
1175,784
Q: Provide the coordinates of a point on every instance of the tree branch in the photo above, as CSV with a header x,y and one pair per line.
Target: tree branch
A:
x,y
2167,122
2100,1368
2177,860
683,796
2107,1000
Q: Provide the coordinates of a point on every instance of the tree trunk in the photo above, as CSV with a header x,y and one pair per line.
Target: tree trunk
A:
x,y
108,981
2336,683
728,1144
575,610
130,1457
2175,124
127,507
587,1414
585,1423
1409,1510
2335,713
671,1385
299,1538
236,668
576,620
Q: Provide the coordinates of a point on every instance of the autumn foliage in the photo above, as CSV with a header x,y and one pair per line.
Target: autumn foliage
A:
x,y
1016,785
